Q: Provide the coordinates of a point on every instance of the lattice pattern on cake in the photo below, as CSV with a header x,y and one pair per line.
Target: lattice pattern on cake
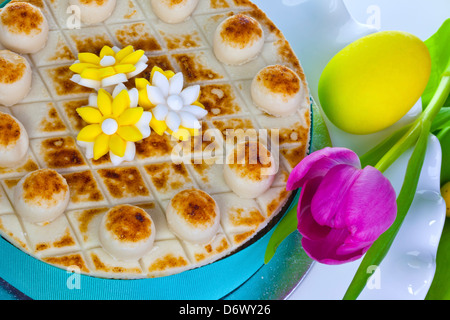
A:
x,y
48,113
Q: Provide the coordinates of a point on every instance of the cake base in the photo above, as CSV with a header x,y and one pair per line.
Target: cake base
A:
x,y
219,280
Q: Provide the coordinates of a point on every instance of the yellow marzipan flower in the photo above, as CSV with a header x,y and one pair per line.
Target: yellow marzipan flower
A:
x,y
114,125
111,67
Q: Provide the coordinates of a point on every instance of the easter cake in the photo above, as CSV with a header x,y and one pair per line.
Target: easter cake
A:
x,y
128,131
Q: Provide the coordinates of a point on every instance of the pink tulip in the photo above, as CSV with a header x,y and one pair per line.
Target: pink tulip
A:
x,y
342,208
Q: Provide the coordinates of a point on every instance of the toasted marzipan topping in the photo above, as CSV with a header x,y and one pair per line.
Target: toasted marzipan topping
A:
x,y
128,223
12,67
249,159
9,130
196,207
36,3
93,2
44,185
241,30
173,3
22,17
280,80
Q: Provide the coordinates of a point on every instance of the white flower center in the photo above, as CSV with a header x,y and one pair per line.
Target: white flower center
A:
x,y
110,126
108,61
175,102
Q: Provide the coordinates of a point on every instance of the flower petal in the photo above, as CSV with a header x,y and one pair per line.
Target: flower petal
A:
x,y
89,148
118,89
89,133
161,81
134,97
125,68
86,57
133,58
160,112
130,133
361,201
328,204
326,251
104,102
121,102
155,95
114,80
370,205
107,51
158,126
307,226
130,116
139,67
198,112
143,124
141,83
90,114
190,94
80,67
117,145
130,151
88,83
122,54
176,84
319,163
93,100
189,121
101,146
173,121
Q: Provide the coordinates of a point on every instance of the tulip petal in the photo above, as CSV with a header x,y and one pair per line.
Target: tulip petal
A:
x,y
319,163
328,204
307,226
371,206
325,251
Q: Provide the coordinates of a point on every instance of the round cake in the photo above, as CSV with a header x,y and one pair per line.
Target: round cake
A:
x,y
166,132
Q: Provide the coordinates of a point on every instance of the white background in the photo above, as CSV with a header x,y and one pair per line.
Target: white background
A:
x,y
419,17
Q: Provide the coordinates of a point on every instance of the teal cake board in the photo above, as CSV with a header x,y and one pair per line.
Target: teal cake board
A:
x,y
40,281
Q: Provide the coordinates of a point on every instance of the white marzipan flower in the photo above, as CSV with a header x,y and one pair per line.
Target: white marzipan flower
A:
x,y
174,105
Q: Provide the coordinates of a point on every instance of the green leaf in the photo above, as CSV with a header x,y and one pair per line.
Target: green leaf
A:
x,y
444,138
441,121
373,156
380,248
321,136
285,228
440,287
439,48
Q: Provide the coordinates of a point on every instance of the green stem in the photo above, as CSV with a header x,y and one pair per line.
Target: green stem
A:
x,y
417,135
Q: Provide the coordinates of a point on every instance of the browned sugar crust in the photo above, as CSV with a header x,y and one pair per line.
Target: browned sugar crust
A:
x,y
22,18
129,223
196,207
